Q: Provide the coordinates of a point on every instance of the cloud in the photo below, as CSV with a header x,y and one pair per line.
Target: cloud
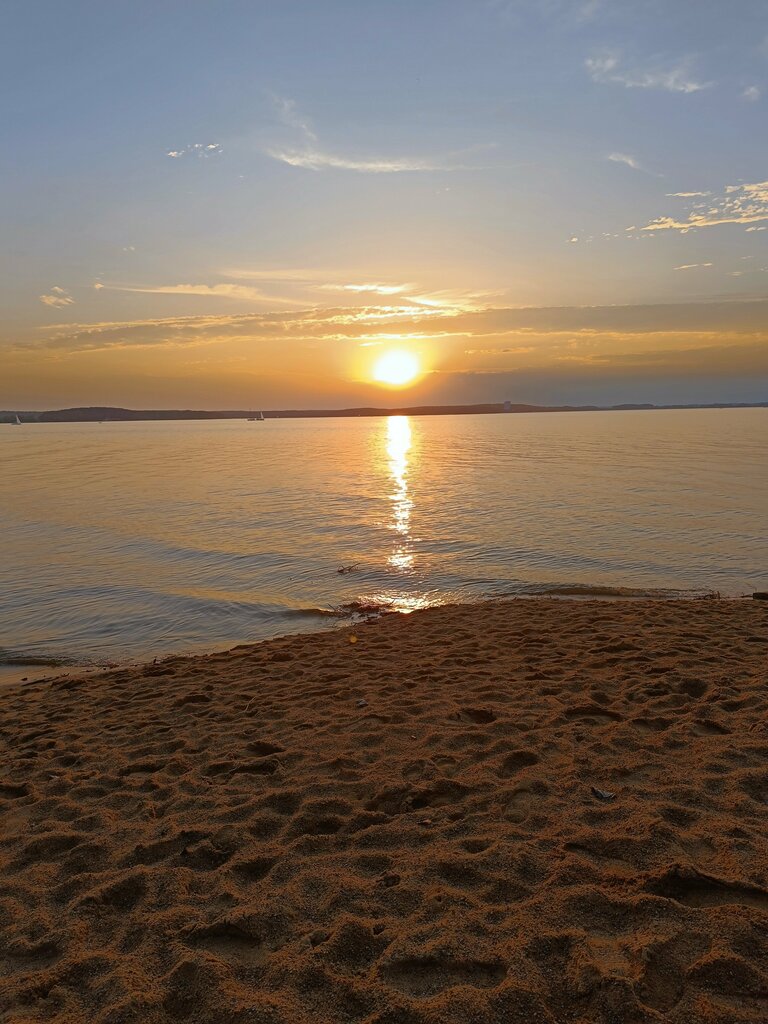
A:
x,y
313,281
200,149
607,68
453,299
288,113
375,289
691,266
58,297
217,291
751,93
611,350
629,161
317,160
686,195
554,332
624,158
310,155
737,204
716,359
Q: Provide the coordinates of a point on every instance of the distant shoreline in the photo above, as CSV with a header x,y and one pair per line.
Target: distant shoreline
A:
x,y
109,414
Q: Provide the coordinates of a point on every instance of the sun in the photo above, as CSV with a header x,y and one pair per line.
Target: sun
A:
x,y
396,368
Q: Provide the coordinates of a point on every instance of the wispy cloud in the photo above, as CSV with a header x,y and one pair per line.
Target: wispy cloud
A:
x,y
373,289
316,281
686,195
58,297
299,289
624,158
737,204
630,161
199,149
216,291
308,153
288,113
496,326
452,299
691,266
751,93
674,78
317,160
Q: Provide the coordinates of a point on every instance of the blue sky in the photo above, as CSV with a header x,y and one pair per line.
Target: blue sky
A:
x,y
240,203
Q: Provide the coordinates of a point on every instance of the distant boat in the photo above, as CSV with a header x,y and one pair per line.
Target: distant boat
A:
x,y
257,418
17,421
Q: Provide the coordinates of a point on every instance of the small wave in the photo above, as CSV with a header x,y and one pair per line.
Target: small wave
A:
x,y
311,613
343,611
597,590
21,660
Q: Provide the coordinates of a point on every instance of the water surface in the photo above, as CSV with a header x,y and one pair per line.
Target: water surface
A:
x,y
127,540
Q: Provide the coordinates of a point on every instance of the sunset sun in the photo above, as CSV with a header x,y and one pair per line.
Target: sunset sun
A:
x,y
396,369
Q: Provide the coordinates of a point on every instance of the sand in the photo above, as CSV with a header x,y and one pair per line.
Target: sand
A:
x,y
396,824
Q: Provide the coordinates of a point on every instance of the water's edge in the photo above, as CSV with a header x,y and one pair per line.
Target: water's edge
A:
x,y
16,667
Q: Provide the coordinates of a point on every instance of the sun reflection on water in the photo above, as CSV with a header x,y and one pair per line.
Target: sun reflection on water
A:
x,y
398,448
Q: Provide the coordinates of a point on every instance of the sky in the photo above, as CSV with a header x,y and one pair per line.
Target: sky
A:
x,y
230,204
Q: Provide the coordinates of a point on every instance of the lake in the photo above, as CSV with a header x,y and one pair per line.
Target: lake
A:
x,y
135,540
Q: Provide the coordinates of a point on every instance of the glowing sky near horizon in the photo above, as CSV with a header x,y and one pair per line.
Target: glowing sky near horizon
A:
x,y
251,204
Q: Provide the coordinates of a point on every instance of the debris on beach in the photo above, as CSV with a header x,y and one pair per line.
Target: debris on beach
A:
x,y
602,794
358,609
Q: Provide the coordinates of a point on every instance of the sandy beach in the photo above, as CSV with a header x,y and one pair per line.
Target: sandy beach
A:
x,y
530,811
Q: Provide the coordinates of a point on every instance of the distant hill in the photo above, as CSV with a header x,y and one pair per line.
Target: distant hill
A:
x,y
112,414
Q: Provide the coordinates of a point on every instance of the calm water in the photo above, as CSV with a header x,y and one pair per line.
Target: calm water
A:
x,y
128,540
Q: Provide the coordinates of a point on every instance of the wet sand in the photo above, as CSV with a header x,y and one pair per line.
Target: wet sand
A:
x,y
532,811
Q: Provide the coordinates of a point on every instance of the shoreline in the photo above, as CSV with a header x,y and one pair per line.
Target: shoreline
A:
x,y
106,414
13,672
523,810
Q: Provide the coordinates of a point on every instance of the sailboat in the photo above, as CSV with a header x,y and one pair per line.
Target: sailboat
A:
x,y
257,418
17,421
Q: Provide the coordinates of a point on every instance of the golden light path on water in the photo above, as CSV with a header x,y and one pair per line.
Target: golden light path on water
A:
x,y
398,448
399,451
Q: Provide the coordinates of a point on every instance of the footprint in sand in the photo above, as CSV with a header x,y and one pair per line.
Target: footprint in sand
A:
x,y
478,716
427,976
695,889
